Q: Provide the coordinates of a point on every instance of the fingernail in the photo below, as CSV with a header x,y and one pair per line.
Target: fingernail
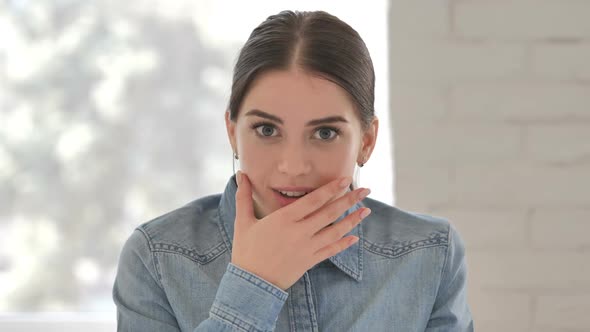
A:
x,y
344,182
364,193
239,177
365,213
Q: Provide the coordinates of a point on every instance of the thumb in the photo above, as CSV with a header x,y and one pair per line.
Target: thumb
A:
x,y
244,203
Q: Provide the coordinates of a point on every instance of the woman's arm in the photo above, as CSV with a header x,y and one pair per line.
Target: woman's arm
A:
x,y
451,311
243,301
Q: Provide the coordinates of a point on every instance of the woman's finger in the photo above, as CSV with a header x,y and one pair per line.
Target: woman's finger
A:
x,y
335,232
244,203
314,200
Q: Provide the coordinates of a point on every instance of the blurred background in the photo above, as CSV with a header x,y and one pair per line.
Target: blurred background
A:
x,y
111,113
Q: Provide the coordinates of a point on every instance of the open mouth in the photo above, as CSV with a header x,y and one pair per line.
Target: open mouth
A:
x,y
291,194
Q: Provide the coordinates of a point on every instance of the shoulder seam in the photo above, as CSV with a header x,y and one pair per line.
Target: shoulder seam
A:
x,y
405,252
435,239
215,252
154,259
444,264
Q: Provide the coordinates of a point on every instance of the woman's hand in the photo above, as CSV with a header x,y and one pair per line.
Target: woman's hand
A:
x,y
282,246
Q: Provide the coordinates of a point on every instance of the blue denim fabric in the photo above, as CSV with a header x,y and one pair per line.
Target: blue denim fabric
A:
x,y
407,272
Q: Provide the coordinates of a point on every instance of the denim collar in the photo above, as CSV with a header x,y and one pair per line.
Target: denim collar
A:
x,y
349,261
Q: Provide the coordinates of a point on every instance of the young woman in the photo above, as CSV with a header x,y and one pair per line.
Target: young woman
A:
x,y
291,244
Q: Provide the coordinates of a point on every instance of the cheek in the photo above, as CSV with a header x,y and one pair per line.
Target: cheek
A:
x,y
253,154
339,160
256,158
256,163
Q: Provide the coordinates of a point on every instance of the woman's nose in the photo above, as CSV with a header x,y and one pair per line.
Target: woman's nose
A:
x,y
294,161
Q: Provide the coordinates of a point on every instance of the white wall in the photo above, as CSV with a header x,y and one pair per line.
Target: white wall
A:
x,y
490,107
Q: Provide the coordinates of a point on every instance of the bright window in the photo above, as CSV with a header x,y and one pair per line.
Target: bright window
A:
x,y
111,113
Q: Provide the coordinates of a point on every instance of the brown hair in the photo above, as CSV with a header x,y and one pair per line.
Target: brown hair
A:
x,y
317,42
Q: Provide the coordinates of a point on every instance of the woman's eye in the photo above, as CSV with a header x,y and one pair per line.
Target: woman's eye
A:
x,y
326,134
265,130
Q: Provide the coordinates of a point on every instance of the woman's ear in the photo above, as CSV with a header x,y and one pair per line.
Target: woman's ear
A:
x,y
230,126
369,140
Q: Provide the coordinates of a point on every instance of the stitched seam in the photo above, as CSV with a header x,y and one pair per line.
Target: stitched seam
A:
x,y
231,319
444,266
214,253
154,258
157,269
310,303
191,258
315,299
405,252
433,240
291,308
224,234
360,254
257,282
182,246
189,253
344,267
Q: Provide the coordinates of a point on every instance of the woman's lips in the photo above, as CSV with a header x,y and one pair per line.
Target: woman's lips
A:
x,y
306,189
282,200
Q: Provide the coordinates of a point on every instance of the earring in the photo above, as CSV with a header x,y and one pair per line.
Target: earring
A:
x,y
361,164
233,164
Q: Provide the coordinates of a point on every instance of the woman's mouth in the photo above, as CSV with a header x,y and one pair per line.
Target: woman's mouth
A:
x,y
287,197
292,194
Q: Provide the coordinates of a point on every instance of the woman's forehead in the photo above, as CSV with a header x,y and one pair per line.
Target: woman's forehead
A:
x,y
297,94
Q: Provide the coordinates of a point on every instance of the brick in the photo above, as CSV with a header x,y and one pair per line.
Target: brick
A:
x,y
562,61
419,18
496,311
561,228
489,229
530,271
423,103
563,311
521,102
445,61
451,143
518,184
496,326
561,144
581,329
419,188
522,20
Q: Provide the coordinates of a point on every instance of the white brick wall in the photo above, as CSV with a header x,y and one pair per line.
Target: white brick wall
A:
x,y
561,229
515,309
562,311
522,101
562,61
522,20
490,107
495,229
448,61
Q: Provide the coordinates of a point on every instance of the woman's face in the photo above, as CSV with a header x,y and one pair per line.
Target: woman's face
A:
x,y
296,130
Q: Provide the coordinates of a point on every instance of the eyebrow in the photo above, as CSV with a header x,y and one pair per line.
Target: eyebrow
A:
x,y
329,119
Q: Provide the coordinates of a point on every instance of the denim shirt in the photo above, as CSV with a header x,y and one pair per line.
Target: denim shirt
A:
x,y
407,272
